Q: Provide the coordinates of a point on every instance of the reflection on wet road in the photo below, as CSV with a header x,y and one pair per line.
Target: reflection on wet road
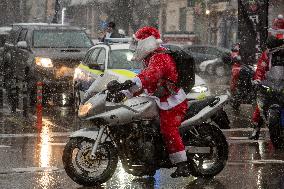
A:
x,y
31,157
33,160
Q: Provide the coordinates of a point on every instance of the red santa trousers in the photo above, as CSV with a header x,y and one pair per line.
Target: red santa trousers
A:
x,y
170,120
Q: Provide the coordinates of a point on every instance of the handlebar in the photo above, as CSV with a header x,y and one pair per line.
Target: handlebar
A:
x,y
115,86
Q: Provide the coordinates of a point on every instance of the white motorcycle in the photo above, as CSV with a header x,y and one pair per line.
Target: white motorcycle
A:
x,y
129,130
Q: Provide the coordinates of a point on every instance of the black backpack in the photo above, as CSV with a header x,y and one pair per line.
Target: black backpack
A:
x,y
185,68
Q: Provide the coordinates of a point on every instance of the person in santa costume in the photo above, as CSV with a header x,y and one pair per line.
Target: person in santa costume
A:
x,y
158,80
268,58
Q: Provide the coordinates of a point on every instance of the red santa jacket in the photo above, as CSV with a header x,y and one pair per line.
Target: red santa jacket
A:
x,y
160,68
262,66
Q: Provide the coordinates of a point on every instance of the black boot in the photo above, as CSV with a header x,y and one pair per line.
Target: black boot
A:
x,y
255,134
183,170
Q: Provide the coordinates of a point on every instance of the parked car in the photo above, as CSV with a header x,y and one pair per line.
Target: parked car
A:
x,y
202,53
44,52
115,59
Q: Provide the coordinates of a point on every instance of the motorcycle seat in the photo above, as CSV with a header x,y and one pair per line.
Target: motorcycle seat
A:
x,y
196,106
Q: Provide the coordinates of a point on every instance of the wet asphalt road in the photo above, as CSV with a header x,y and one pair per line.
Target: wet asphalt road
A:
x,y
31,157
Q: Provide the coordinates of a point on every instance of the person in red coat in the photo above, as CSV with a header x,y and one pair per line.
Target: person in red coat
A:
x,y
264,63
158,81
235,53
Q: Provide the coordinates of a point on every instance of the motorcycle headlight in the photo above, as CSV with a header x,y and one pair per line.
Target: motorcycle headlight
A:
x,y
199,89
84,109
43,62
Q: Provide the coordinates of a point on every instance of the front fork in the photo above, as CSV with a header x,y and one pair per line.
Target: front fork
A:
x,y
98,140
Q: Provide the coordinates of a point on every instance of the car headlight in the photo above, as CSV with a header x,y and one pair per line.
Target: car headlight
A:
x,y
199,89
77,73
43,62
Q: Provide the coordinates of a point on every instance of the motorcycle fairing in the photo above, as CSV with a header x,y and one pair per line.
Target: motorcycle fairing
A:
x,y
197,105
136,108
275,78
203,115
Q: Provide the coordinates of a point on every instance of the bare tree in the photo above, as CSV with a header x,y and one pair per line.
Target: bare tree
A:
x,y
133,14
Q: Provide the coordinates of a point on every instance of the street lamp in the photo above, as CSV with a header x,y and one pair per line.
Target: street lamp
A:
x,y
63,15
207,12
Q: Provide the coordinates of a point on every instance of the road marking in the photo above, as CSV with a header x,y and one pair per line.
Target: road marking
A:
x,y
242,129
34,169
246,141
238,138
56,144
4,146
244,138
261,161
55,134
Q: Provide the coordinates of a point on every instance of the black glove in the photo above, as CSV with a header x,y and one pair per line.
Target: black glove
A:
x,y
127,85
115,97
114,86
273,42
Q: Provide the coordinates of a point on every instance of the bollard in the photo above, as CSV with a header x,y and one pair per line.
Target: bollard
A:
x,y
25,98
13,96
1,90
39,104
22,98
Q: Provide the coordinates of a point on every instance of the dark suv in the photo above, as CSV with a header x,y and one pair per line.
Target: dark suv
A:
x,y
44,52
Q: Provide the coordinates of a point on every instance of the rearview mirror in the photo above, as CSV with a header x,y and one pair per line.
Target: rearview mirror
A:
x,y
22,45
96,66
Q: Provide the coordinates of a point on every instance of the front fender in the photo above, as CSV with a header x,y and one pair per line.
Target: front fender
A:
x,y
85,133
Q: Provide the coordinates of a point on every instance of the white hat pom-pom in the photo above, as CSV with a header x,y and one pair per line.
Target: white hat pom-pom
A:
x,y
280,16
159,41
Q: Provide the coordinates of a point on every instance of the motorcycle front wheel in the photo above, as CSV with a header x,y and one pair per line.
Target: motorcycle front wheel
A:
x,y
84,169
208,137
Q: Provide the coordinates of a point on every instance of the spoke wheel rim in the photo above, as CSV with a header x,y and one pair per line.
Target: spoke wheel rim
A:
x,y
85,164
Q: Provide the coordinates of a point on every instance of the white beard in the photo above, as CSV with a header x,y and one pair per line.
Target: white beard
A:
x,y
145,47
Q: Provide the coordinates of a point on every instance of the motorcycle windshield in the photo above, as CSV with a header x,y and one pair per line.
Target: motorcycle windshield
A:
x,y
98,104
101,82
275,78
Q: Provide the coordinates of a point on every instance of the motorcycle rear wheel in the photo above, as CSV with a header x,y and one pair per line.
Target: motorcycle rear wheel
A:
x,y
207,165
275,130
87,171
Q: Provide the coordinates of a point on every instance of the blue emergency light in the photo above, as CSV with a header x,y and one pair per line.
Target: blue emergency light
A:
x,y
118,40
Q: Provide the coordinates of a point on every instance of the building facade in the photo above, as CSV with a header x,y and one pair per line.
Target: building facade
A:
x,y
12,11
199,22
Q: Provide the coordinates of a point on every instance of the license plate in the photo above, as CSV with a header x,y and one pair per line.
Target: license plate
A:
x,y
282,117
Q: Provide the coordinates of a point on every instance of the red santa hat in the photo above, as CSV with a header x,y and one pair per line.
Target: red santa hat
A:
x,y
278,23
277,28
146,32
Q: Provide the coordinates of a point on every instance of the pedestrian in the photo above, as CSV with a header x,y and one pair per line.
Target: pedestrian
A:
x,y
265,62
111,32
157,81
